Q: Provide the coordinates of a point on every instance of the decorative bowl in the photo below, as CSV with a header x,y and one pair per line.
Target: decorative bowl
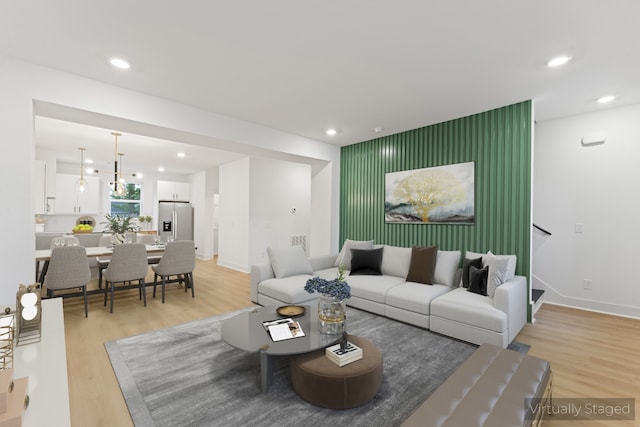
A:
x,y
291,310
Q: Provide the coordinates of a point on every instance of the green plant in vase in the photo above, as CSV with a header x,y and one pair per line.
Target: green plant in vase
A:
x,y
119,225
145,222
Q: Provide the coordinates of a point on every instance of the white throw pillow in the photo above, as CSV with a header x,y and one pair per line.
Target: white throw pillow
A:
x,y
289,262
447,263
511,271
395,261
498,270
344,257
474,255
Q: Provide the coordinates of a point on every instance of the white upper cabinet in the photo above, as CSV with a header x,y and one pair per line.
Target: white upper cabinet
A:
x,y
178,191
70,201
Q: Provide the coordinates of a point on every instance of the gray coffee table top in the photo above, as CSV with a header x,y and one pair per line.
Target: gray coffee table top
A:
x,y
245,332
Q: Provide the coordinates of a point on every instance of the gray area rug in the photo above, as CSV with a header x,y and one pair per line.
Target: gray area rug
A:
x,y
187,376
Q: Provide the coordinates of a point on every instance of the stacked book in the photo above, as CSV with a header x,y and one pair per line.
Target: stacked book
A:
x,y
340,357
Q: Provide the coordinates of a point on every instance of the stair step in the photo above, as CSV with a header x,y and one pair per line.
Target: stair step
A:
x,y
536,294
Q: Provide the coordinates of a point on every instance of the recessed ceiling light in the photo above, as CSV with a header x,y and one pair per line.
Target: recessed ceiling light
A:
x,y
378,129
138,175
160,169
88,161
181,155
558,61
120,63
605,99
331,132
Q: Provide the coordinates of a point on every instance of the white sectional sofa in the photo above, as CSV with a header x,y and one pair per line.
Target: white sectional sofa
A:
x,y
443,307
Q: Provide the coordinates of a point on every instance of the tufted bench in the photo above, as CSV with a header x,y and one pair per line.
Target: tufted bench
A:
x,y
489,390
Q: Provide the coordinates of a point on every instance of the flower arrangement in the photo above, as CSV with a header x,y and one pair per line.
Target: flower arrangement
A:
x,y
336,288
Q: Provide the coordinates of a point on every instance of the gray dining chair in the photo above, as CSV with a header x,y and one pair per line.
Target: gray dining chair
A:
x,y
178,259
103,261
128,263
68,269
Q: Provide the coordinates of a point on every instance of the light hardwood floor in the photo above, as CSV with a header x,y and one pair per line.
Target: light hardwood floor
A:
x,y
592,355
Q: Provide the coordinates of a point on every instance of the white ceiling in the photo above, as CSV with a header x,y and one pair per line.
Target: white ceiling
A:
x,y
141,154
302,66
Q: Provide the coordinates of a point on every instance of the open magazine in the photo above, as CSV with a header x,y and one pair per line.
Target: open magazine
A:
x,y
283,329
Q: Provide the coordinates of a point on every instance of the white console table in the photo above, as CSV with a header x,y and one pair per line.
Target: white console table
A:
x,y
45,363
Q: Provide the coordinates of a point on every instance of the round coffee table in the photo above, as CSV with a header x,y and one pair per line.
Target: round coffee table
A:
x,y
320,381
246,332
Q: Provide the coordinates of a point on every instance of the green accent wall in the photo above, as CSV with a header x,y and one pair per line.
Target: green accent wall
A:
x,y
499,141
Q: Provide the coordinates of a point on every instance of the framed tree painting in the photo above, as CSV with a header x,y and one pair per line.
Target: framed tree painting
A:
x,y
436,195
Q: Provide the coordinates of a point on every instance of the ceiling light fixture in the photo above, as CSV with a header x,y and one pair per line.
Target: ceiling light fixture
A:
x,y
378,129
605,99
120,63
331,132
558,61
160,169
181,155
81,184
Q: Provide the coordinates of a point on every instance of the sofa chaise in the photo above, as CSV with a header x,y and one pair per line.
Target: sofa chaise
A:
x,y
443,306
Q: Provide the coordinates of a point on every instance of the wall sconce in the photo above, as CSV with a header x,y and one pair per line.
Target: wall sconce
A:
x,y
28,314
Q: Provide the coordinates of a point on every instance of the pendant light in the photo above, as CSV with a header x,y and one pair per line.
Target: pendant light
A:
x,y
81,184
122,184
115,185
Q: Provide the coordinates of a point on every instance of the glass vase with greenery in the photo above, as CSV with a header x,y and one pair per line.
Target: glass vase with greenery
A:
x,y
118,224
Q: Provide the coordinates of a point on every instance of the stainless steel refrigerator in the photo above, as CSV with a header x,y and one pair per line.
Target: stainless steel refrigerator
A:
x,y
175,220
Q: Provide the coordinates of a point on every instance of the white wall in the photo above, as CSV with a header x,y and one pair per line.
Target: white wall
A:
x,y
257,196
321,213
596,186
277,187
199,203
233,240
29,89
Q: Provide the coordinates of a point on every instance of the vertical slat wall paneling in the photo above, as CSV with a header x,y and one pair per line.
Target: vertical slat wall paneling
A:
x,y
499,141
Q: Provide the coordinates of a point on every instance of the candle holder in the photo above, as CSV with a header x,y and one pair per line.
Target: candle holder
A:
x,y
28,314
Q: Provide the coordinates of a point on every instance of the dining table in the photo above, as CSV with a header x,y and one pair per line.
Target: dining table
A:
x,y
44,256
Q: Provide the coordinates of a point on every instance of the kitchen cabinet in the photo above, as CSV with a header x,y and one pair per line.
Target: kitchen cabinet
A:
x,y
71,201
175,191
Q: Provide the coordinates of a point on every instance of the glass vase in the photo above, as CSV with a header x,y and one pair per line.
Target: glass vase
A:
x,y
331,315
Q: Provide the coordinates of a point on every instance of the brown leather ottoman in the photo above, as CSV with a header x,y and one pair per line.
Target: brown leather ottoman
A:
x,y
320,381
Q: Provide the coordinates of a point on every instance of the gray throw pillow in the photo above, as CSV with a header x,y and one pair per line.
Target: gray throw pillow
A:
x,y
287,262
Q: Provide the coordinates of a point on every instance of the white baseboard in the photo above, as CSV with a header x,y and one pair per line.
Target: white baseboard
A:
x,y
241,268
552,296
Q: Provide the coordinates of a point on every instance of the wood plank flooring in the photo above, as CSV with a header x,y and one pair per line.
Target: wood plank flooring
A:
x,y
592,354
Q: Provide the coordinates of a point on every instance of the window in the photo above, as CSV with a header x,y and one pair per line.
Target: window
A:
x,y
127,204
